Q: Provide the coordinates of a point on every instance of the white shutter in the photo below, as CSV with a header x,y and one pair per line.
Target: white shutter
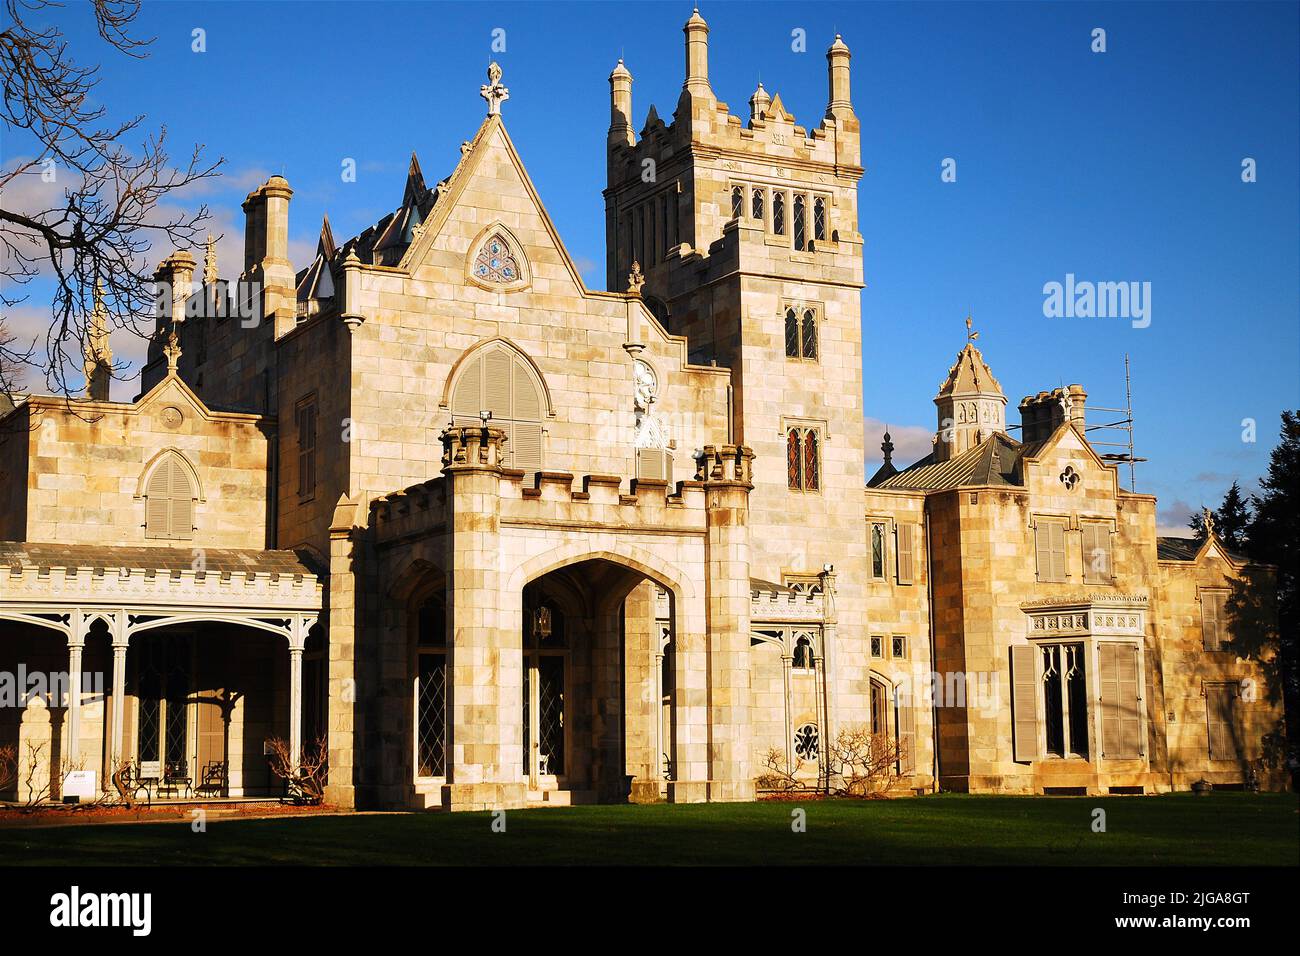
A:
x,y
496,383
1121,715
527,440
1096,553
157,515
1024,701
1220,700
181,494
907,738
467,397
527,397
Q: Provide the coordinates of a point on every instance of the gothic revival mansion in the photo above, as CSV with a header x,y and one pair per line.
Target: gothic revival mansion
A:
x,y
500,539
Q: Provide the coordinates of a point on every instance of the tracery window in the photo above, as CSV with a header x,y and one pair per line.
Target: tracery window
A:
x,y
799,222
803,458
819,218
807,744
803,653
495,262
737,201
800,334
756,204
778,213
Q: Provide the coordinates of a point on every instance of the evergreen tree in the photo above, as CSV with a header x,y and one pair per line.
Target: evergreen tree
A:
x,y
1273,537
1231,521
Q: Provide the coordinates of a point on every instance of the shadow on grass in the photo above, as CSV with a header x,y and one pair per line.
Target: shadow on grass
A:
x,y
1178,830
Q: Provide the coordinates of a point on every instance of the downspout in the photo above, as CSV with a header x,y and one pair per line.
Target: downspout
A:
x,y
929,597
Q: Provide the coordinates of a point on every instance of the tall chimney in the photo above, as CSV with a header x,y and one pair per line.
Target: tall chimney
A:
x,y
266,251
697,56
620,107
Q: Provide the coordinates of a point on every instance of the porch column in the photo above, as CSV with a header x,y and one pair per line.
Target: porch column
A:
x,y
116,745
787,662
829,650
295,687
76,643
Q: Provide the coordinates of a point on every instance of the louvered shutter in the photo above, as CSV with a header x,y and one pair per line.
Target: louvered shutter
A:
x,y
1121,715
1219,703
907,737
157,520
182,502
905,552
1056,536
527,439
654,464
1024,701
1096,553
1211,614
467,397
1042,550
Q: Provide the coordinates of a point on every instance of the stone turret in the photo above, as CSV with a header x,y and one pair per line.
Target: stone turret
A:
x,y
970,404
620,106
266,251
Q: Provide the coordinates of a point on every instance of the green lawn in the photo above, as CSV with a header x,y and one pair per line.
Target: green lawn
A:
x,y
1222,829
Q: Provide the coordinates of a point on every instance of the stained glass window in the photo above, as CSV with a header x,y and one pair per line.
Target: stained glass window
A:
x,y
495,262
792,456
811,480
803,455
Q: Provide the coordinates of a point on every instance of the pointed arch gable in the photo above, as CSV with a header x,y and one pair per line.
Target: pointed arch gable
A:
x,y
514,251
470,353
142,485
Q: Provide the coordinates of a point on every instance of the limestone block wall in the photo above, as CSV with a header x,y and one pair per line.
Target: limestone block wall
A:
x,y
88,461
1188,668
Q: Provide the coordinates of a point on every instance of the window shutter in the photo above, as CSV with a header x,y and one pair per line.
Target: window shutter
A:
x,y
1219,703
157,518
497,372
1057,539
907,738
1024,700
1096,553
526,437
654,464
182,502
467,397
1042,550
1121,718
527,399
1210,620
906,552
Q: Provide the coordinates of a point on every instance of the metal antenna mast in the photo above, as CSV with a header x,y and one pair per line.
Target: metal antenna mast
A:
x,y
1125,425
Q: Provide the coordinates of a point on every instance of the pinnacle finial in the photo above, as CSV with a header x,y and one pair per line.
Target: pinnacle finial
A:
x,y
494,92
1207,518
172,350
887,446
635,280
210,262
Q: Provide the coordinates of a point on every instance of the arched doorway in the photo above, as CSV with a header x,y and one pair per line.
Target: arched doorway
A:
x,y
597,662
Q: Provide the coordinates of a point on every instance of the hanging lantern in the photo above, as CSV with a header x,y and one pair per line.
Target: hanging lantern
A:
x,y
542,623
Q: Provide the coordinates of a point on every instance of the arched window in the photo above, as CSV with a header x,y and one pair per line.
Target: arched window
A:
x,y
756,204
737,201
778,213
803,653
819,218
500,380
169,500
799,222
809,336
803,459
495,262
791,333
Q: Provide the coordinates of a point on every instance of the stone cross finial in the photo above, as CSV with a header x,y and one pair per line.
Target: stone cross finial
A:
x,y
1207,518
172,350
210,262
635,280
494,92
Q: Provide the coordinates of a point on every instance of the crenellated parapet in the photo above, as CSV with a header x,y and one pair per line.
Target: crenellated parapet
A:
x,y
472,447
725,464
774,603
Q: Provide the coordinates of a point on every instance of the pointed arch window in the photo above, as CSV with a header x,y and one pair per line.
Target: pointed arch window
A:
x,y
819,218
169,501
803,653
756,210
778,213
803,458
501,381
801,332
496,262
737,201
800,221
791,333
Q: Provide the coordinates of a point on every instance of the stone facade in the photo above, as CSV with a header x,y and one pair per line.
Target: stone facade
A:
x,y
532,543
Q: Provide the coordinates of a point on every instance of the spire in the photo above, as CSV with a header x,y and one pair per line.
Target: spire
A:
x,y
415,187
494,92
210,262
325,244
887,446
98,365
887,469
970,403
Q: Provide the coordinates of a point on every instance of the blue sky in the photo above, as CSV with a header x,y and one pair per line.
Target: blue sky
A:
x,y
1115,166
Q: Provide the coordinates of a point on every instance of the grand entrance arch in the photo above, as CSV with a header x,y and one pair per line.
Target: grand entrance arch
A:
x,y
594,636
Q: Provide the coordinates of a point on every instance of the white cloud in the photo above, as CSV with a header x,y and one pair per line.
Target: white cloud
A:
x,y
911,443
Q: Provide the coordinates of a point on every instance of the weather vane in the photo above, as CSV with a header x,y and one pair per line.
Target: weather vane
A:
x,y
971,334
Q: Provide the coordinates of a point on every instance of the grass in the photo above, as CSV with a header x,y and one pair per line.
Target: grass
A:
x,y
1178,830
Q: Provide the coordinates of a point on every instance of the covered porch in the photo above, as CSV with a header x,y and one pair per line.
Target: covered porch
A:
x,y
183,662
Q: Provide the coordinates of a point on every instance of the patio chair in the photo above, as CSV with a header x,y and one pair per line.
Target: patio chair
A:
x,y
212,781
176,779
